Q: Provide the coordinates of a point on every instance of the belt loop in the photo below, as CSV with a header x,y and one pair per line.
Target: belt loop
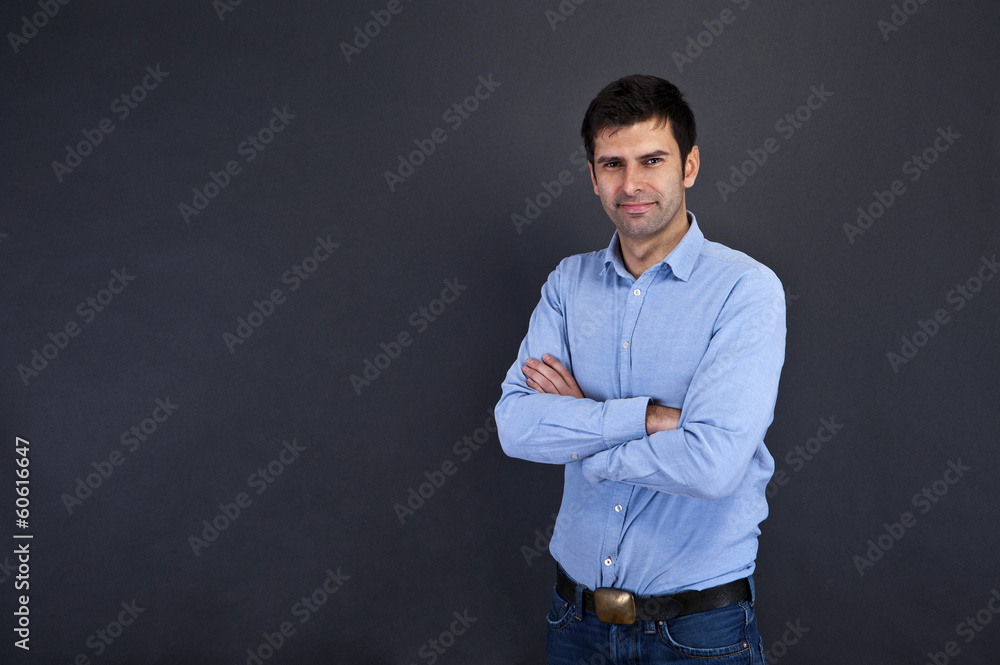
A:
x,y
578,602
753,589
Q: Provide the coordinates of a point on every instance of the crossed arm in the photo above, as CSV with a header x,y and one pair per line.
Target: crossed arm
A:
x,y
703,452
550,376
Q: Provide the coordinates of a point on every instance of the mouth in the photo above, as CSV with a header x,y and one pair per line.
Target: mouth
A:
x,y
637,207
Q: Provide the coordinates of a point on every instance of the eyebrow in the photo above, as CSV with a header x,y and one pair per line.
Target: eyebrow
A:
x,y
649,155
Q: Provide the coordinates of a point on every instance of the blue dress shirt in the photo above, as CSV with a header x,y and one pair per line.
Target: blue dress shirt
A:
x,y
702,331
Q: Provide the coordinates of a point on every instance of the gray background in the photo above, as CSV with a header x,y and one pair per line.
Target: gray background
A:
x,y
468,548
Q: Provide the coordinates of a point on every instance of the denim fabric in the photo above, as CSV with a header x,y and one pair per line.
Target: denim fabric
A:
x,y
725,636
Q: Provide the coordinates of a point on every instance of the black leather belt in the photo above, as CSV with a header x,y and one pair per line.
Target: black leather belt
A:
x,y
624,607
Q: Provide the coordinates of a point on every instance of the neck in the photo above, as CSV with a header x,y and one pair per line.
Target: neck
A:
x,y
639,254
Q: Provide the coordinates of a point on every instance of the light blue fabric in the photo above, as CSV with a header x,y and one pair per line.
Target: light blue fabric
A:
x,y
702,331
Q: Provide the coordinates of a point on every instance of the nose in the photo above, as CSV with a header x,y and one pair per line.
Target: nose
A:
x,y
632,184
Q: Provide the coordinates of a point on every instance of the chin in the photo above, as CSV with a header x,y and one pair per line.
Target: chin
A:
x,y
633,231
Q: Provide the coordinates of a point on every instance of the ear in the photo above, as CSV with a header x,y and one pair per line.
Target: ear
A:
x,y
691,166
593,178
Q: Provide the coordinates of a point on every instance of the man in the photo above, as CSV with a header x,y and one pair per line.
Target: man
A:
x,y
650,370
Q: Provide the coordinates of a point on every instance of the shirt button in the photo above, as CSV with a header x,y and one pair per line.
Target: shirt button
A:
x,y
574,456
636,292
625,345
607,562
618,508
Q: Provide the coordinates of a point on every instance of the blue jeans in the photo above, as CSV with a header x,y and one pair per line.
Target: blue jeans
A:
x,y
725,636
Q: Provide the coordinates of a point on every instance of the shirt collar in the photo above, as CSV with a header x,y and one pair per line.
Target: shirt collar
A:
x,y
680,260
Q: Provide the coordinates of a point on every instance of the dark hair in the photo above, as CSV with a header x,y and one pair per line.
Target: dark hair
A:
x,y
635,99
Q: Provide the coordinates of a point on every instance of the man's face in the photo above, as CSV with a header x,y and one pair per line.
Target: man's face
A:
x,y
638,174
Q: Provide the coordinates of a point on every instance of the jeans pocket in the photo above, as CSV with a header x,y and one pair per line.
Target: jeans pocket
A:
x,y
560,612
712,634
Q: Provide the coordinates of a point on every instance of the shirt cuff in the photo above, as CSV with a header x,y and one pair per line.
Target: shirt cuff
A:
x,y
592,466
624,420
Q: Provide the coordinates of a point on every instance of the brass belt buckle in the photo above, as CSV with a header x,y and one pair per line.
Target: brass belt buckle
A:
x,y
614,605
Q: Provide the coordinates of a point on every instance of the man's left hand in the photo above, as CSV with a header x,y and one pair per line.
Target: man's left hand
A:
x,y
550,376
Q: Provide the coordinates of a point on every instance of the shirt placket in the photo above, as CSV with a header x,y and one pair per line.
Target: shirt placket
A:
x,y
611,570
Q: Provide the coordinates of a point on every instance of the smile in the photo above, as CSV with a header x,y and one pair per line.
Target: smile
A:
x,y
635,208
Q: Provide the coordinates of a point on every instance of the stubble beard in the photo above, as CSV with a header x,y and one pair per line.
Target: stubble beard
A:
x,y
654,222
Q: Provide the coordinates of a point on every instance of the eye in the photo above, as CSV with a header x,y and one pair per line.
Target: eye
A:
x,y
654,160
610,165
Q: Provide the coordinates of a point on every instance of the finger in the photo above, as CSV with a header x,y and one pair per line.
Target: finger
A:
x,y
571,387
540,381
560,369
548,374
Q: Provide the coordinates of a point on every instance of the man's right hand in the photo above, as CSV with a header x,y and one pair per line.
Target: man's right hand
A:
x,y
661,418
